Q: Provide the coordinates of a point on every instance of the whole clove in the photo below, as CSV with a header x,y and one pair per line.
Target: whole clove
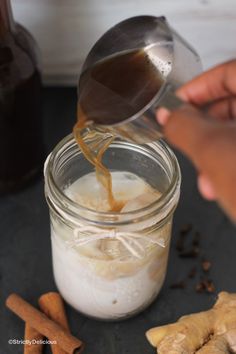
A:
x,y
193,250
205,285
192,273
185,229
182,236
178,285
210,287
206,265
180,243
196,239
192,253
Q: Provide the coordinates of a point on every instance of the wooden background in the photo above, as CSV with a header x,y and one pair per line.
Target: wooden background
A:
x,y
66,29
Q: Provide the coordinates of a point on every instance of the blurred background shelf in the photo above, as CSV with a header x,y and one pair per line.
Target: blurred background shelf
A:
x,y
66,29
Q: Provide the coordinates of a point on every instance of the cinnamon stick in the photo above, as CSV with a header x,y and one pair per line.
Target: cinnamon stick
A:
x,y
32,334
43,324
52,305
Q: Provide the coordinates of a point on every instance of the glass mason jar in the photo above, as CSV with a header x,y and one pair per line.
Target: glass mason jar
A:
x,y
127,273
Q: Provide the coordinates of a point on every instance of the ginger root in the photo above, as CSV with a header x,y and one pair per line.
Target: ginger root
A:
x,y
208,332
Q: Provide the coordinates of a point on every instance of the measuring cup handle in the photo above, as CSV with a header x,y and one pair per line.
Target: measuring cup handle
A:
x,y
169,99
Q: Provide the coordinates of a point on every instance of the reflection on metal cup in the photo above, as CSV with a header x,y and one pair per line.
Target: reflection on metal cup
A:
x,y
143,61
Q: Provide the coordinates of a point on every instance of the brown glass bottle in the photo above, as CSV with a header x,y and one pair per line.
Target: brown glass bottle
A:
x,y
21,140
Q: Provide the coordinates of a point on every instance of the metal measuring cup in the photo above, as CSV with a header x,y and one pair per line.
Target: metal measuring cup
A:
x,y
169,53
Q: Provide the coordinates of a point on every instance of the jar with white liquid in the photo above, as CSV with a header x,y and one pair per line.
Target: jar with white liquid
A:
x,y
111,265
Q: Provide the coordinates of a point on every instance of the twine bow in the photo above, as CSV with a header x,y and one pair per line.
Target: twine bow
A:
x,y
130,240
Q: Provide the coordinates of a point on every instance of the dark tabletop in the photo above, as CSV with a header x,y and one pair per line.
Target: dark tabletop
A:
x,y
25,254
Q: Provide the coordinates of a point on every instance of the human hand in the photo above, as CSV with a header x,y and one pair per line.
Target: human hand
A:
x,y
207,135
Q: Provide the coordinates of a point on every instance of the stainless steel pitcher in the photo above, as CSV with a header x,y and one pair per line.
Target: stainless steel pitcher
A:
x,y
169,53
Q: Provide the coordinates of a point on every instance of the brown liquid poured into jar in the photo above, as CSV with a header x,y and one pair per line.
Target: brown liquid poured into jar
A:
x,y
93,152
111,91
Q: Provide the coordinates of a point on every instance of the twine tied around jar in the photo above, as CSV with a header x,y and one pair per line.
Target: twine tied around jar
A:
x,y
130,240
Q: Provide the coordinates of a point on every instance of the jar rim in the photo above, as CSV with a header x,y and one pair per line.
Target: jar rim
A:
x,y
60,198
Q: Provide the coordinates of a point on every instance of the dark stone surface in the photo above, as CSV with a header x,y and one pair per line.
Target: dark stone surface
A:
x,y
25,254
